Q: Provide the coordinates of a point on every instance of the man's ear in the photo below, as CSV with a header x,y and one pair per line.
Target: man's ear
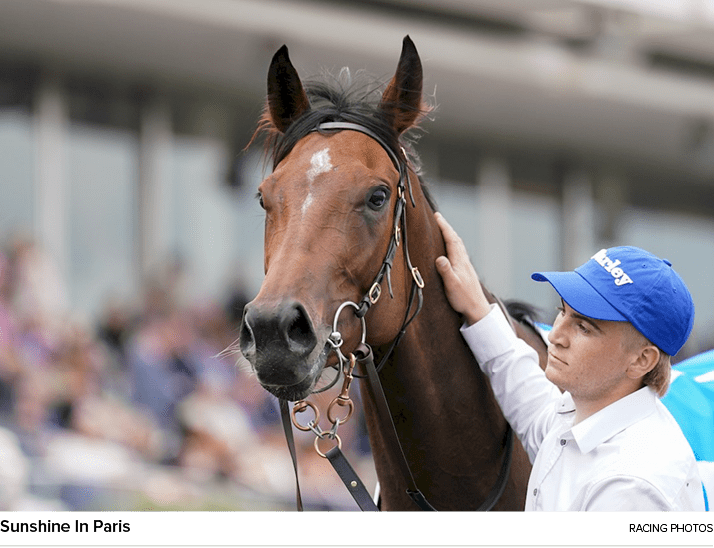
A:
x,y
643,362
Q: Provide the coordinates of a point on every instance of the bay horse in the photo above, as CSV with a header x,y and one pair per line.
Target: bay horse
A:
x,y
340,173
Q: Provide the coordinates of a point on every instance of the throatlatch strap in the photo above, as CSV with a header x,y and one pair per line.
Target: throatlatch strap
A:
x,y
500,486
288,428
392,439
351,480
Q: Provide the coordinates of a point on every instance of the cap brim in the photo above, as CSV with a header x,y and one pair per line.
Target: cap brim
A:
x,y
580,295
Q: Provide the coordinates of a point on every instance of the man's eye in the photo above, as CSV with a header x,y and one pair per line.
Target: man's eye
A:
x,y
377,197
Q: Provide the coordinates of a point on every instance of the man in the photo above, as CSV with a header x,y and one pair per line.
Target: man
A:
x,y
606,442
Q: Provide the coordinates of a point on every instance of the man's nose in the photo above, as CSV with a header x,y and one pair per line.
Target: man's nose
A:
x,y
557,335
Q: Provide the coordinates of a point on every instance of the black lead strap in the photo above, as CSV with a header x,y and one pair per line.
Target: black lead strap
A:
x,y
351,480
288,428
344,469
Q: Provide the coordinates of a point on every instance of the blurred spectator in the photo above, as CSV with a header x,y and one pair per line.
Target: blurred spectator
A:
x,y
38,295
155,400
163,373
114,328
15,476
9,359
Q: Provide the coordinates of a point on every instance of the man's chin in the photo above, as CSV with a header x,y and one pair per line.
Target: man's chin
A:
x,y
554,375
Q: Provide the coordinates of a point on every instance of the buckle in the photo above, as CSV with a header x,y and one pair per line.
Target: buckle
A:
x,y
417,277
374,293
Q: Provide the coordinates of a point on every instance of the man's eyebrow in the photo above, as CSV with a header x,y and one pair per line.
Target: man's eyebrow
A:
x,y
590,321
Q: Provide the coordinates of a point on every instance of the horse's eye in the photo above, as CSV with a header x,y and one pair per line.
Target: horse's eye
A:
x,y
260,199
377,197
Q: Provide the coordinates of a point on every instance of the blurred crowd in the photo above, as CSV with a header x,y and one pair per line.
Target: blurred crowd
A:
x,y
145,409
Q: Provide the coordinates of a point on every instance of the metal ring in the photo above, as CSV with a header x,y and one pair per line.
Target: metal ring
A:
x,y
340,355
317,448
341,402
299,407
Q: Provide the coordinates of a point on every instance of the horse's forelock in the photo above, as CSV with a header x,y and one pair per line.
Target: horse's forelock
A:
x,y
346,97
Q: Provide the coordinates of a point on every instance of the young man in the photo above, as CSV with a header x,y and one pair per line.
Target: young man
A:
x,y
606,442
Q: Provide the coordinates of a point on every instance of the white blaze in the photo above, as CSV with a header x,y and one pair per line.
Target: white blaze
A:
x,y
319,163
306,203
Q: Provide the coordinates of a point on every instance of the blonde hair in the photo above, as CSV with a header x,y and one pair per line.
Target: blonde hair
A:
x,y
658,377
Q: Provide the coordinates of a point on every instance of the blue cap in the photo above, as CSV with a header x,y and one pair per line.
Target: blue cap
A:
x,y
629,284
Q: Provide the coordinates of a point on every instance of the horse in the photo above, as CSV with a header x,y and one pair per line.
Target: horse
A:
x,y
341,181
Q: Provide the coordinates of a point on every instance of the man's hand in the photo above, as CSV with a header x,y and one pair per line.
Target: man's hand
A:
x,y
463,288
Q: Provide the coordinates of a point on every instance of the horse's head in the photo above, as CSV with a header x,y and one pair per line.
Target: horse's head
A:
x,y
329,217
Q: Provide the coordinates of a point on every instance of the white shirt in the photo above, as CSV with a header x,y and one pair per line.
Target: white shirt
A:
x,y
631,455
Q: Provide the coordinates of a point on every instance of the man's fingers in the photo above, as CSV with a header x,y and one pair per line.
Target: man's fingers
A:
x,y
455,247
461,282
444,225
446,271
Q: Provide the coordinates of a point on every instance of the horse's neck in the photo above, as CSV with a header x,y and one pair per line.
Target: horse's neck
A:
x,y
434,348
436,363
447,418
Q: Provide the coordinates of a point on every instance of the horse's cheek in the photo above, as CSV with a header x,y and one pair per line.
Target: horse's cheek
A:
x,y
270,243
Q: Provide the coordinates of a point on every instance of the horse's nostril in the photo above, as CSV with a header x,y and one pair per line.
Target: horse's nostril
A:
x,y
246,339
300,334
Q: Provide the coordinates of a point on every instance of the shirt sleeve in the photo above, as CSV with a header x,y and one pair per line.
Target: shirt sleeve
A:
x,y
529,401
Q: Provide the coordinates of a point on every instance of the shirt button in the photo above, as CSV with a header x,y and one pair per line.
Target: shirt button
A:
x,y
535,492
563,442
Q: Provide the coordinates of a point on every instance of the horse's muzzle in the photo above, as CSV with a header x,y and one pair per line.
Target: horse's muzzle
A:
x,y
278,341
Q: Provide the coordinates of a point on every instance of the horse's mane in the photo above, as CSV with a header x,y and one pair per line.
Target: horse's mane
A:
x,y
344,98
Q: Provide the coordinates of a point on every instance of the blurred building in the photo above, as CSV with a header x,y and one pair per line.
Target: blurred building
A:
x,y
562,126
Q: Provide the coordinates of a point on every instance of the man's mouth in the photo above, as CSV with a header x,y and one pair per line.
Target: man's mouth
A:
x,y
556,359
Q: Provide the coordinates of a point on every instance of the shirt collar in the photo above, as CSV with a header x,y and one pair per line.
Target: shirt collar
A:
x,y
614,418
566,404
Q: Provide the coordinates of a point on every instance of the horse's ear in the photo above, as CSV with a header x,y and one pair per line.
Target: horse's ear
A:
x,y
402,100
287,100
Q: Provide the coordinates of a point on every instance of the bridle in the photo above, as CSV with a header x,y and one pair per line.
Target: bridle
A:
x,y
363,356
399,235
